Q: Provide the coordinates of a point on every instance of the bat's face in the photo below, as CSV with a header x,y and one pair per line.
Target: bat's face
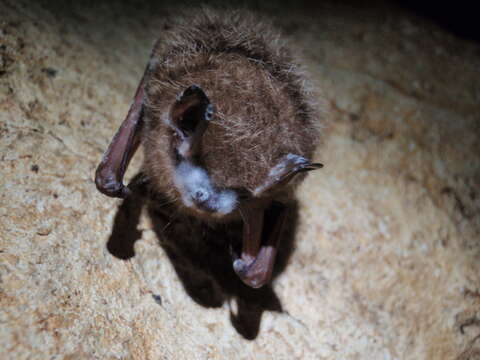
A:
x,y
188,120
199,193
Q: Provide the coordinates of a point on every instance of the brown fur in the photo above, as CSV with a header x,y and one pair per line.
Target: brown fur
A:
x,y
263,110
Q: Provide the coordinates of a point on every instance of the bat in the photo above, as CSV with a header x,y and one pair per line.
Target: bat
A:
x,y
227,125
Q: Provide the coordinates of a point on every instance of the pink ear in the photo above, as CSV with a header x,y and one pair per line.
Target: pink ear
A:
x,y
190,115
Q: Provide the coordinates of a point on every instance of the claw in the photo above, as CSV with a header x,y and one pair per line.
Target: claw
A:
x,y
283,172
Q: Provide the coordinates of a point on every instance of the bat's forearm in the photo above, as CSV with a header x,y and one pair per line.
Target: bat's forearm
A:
x,y
255,266
110,172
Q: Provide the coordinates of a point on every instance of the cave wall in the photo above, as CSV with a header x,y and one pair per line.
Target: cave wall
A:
x,y
384,264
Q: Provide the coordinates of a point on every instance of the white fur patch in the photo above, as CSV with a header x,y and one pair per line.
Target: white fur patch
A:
x,y
227,200
195,185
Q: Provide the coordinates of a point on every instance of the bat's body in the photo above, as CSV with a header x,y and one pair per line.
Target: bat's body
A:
x,y
226,123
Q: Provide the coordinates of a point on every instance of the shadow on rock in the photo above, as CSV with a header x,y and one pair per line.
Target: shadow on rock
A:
x,y
124,233
200,254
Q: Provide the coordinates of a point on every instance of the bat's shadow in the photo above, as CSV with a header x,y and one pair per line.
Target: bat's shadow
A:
x,y
201,257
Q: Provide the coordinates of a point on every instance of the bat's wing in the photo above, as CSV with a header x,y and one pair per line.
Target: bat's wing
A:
x,y
264,222
110,171
262,232
283,172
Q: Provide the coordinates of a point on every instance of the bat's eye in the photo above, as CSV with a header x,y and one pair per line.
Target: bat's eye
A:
x,y
209,112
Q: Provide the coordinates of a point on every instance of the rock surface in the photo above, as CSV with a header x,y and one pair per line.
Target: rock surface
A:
x,y
385,260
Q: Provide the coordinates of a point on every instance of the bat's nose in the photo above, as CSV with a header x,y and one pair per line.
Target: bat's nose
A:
x,y
211,200
200,196
201,199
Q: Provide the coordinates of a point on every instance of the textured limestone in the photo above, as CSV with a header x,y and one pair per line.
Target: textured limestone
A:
x,y
385,260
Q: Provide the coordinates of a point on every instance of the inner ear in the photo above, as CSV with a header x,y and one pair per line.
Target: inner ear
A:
x,y
189,116
191,110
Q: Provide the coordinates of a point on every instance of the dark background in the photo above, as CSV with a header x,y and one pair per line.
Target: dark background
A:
x,y
460,18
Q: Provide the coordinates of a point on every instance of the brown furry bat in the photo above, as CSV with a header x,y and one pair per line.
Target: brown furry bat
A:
x,y
226,123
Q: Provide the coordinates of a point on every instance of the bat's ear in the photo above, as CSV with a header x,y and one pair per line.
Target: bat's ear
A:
x,y
189,116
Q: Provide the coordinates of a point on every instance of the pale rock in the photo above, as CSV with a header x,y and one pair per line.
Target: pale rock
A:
x,y
385,260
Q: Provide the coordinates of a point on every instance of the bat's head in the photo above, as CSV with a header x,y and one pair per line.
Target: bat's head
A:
x,y
188,120
209,173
